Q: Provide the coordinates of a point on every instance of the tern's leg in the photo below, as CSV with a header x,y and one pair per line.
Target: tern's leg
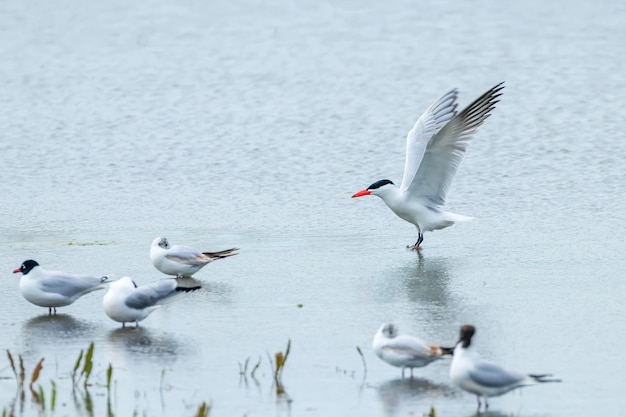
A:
x,y
49,311
403,372
420,239
136,323
478,400
54,311
411,373
486,404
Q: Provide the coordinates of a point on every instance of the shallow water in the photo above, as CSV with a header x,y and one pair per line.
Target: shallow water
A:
x,y
251,124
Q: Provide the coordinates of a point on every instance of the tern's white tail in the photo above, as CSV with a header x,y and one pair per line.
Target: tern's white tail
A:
x,y
457,218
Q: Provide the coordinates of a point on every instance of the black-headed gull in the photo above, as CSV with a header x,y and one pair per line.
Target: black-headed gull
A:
x,y
482,378
54,289
125,302
182,261
434,149
405,351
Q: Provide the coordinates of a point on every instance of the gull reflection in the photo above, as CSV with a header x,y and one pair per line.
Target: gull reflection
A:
x,y
42,331
125,345
490,413
397,394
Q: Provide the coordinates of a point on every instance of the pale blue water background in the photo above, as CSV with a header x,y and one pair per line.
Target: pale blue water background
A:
x,y
250,124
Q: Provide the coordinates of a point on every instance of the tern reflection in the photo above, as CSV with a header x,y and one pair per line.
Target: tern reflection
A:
x,y
427,280
397,394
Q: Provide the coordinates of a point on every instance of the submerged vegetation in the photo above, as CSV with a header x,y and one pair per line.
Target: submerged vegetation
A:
x,y
45,399
277,365
280,359
358,349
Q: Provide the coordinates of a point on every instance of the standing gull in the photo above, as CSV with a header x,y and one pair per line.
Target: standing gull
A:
x,y
482,378
182,261
405,351
126,302
54,289
434,149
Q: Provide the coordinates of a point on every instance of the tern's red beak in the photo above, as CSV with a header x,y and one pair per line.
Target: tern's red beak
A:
x,y
362,193
15,271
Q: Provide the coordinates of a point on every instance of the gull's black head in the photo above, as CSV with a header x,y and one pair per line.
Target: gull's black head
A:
x,y
467,331
372,188
26,267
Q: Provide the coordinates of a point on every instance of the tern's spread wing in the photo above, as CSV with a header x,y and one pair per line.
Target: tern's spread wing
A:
x,y
445,150
433,119
490,375
186,255
69,285
152,294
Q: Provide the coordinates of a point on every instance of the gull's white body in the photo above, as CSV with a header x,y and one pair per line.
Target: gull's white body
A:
x,y
182,261
403,351
426,217
55,288
435,147
125,302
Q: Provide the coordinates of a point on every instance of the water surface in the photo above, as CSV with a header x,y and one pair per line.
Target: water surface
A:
x,y
250,124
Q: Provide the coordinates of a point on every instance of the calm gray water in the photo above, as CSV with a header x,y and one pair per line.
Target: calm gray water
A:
x,y
250,124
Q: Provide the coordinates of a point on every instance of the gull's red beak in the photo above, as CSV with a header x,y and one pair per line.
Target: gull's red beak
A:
x,y
362,193
15,271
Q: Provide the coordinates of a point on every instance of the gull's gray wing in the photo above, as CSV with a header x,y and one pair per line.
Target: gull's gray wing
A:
x,y
70,285
491,375
151,294
187,255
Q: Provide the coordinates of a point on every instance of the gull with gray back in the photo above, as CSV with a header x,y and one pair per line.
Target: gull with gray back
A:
x,y
182,261
125,302
405,351
485,379
54,289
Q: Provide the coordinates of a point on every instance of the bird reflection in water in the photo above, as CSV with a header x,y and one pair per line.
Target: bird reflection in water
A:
x,y
133,344
397,394
46,334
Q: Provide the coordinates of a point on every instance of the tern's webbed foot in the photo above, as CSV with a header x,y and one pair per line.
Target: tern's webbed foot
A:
x,y
420,239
